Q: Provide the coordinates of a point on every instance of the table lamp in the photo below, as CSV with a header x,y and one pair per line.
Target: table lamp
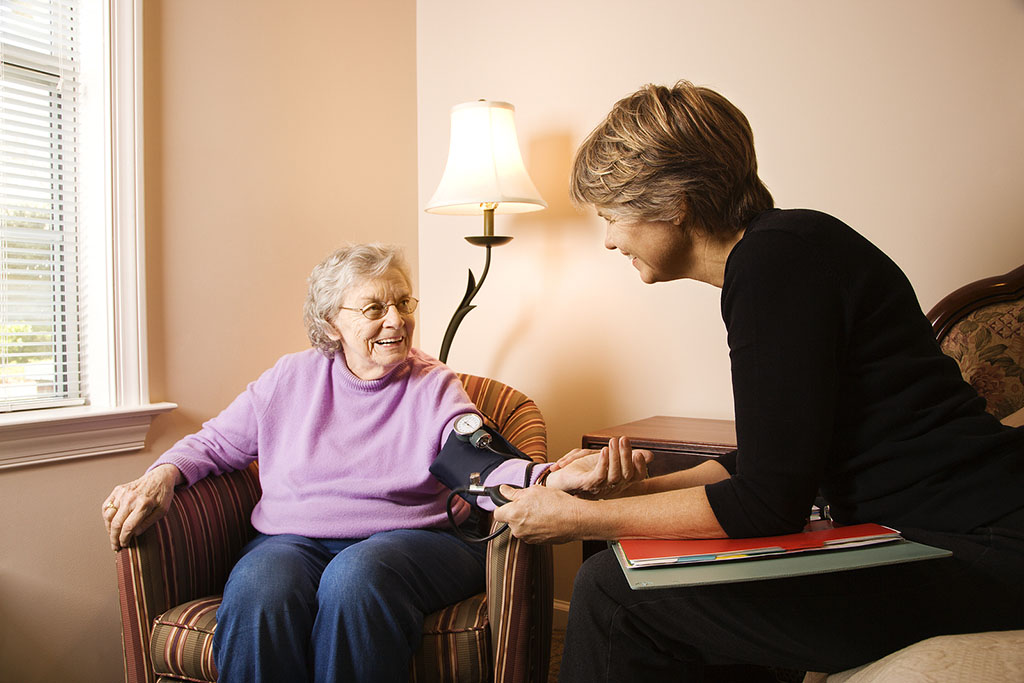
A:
x,y
484,175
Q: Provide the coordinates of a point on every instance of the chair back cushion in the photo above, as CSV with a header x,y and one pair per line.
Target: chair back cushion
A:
x,y
981,326
988,345
511,412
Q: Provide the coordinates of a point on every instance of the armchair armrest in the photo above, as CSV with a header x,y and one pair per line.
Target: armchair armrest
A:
x,y
519,603
519,575
184,556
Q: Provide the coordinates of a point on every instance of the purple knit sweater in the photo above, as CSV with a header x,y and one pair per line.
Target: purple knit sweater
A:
x,y
340,457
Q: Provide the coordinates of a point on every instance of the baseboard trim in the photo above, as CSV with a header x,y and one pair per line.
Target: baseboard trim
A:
x,y
560,619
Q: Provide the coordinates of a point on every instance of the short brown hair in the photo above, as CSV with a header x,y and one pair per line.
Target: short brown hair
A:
x,y
683,154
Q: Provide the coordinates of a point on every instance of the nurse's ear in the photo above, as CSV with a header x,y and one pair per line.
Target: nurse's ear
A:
x,y
681,213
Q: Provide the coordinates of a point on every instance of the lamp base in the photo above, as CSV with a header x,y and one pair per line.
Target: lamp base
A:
x,y
488,240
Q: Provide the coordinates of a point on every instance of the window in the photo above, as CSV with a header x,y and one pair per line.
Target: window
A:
x,y
39,263
72,329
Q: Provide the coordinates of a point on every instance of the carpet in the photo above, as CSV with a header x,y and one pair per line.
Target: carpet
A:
x,y
557,642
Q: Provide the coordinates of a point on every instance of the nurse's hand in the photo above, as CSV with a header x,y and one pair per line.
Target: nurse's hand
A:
x,y
539,514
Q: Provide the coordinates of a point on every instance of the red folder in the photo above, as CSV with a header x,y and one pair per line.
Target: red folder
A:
x,y
818,535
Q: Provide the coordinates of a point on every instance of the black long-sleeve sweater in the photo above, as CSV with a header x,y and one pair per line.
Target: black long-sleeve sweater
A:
x,y
839,385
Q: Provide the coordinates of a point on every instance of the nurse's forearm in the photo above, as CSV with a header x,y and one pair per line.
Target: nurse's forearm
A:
x,y
705,473
681,513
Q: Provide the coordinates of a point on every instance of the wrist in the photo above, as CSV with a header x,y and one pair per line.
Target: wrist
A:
x,y
169,473
640,488
589,519
552,478
542,480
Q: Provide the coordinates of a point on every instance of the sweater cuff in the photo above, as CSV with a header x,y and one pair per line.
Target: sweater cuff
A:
x,y
723,501
728,461
512,471
189,469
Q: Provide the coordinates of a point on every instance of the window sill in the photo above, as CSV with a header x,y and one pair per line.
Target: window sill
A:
x,y
42,436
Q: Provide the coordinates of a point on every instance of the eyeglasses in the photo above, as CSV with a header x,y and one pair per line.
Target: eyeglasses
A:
x,y
378,310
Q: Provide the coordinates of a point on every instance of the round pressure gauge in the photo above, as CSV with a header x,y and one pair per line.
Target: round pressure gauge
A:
x,y
466,425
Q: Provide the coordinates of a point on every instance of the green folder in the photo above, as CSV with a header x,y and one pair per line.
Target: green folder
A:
x,y
776,567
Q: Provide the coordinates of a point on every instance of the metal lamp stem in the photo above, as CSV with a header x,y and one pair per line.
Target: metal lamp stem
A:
x,y
472,287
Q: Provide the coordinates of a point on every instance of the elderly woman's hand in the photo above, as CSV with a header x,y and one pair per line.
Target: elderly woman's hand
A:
x,y
132,508
607,473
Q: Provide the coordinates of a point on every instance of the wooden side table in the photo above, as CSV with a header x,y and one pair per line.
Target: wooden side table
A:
x,y
676,442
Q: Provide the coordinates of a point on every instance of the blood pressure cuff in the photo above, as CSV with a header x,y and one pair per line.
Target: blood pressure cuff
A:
x,y
458,459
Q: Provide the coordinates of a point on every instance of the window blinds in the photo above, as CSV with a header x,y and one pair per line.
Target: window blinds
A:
x,y
40,345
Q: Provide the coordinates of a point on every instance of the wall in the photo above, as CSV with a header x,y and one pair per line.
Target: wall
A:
x,y
903,119
271,137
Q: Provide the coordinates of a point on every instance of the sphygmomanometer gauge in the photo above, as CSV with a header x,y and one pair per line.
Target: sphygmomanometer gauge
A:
x,y
467,425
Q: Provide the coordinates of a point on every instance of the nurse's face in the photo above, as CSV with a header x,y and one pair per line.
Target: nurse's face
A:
x,y
659,250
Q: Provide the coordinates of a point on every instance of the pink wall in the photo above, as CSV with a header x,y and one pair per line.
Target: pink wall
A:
x,y
274,132
904,119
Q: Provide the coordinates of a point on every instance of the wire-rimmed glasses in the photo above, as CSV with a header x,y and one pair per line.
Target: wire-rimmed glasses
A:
x,y
377,309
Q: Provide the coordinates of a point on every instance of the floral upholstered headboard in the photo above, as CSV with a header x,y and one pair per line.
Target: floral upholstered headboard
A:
x,y
981,326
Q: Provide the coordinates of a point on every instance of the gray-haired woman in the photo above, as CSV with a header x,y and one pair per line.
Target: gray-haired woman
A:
x,y
354,546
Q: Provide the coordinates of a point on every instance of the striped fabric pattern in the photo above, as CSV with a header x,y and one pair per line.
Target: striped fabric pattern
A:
x,y
182,644
170,579
456,644
511,412
519,575
185,556
520,591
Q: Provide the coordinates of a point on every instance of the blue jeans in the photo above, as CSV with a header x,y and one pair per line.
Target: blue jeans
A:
x,y
298,609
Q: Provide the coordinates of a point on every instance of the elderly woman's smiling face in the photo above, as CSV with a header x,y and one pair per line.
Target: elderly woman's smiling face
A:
x,y
372,347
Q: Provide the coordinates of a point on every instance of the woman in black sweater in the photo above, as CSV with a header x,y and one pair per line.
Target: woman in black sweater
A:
x,y
839,388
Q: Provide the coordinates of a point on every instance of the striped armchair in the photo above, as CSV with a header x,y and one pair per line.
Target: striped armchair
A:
x,y
170,579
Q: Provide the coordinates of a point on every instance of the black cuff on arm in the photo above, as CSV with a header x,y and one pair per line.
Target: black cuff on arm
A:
x,y
458,459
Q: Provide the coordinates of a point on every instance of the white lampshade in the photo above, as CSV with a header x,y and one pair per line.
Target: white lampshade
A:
x,y
484,165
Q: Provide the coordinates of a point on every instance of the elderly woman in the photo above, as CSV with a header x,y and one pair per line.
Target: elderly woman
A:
x,y
353,544
839,387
